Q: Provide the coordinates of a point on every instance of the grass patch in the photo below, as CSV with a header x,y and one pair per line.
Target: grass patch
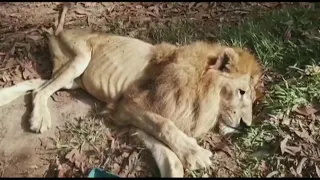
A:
x,y
289,37
181,32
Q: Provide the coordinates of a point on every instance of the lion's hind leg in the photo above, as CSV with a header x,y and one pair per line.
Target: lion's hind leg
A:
x,y
64,78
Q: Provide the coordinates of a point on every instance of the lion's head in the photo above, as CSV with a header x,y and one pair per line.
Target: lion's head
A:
x,y
236,105
237,97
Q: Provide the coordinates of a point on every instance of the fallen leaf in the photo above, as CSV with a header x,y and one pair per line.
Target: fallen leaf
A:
x,y
89,4
113,145
61,172
74,155
26,74
300,166
125,154
287,34
60,168
308,110
115,168
34,37
273,173
283,144
133,161
259,96
304,134
191,5
5,78
288,149
263,167
293,172
286,121
81,12
317,171
205,175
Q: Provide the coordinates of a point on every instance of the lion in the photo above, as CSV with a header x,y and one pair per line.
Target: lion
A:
x,y
170,94
178,98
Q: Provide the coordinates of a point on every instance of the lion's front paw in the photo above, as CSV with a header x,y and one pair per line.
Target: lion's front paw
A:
x,y
194,156
40,120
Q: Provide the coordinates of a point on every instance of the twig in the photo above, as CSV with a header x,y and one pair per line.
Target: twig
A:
x,y
6,68
233,9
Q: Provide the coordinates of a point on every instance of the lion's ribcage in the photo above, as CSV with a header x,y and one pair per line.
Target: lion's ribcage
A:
x,y
114,65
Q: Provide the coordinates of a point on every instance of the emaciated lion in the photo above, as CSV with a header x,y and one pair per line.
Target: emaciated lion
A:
x,y
170,94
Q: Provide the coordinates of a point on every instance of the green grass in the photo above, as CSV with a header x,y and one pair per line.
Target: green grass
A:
x,y
269,38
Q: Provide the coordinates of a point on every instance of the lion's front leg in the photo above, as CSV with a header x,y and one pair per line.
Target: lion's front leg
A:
x,y
186,148
40,120
167,161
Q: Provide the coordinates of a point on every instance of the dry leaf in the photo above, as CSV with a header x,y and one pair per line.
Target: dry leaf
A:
x,y
125,154
300,166
317,170
259,95
75,155
81,12
26,74
61,172
287,34
305,135
283,144
78,159
191,5
133,161
205,175
288,149
5,78
273,173
34,37
263,167
308,111
293,172
286,121
115,168
89,4
60,168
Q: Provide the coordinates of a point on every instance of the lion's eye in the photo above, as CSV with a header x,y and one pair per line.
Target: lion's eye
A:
x,y
242,92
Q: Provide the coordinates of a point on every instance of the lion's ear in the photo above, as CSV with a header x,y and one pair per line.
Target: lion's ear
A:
x,y
226,59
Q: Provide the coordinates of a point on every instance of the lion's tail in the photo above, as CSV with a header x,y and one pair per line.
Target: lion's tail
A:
x,y
56,29
11,93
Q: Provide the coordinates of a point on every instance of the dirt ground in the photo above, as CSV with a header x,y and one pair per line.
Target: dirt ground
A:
x,y
24,55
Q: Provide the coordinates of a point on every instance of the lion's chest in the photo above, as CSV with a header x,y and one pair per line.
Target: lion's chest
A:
x,y
192,116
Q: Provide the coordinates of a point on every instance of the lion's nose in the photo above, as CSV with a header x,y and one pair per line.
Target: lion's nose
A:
x,y
242,124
